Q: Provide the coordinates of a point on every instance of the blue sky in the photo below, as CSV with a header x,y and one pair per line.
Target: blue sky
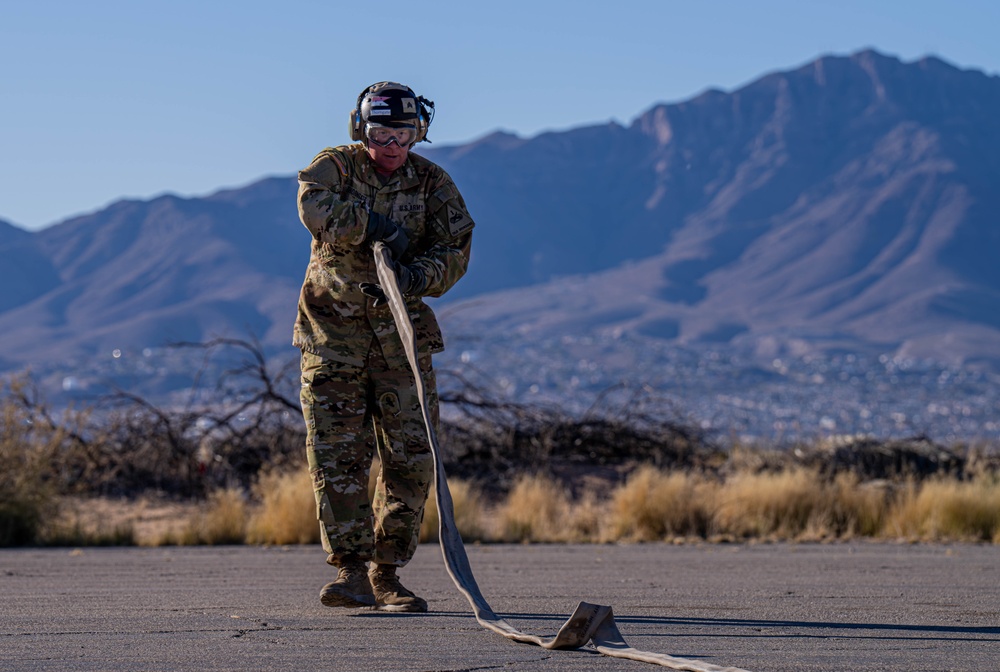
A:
x,y
103,100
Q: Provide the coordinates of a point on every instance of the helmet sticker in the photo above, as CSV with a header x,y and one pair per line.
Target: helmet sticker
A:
x,y
383,113
409,105
379,101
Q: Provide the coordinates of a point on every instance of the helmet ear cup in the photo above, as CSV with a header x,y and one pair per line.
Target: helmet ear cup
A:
x,y
424,118
422,121
355,125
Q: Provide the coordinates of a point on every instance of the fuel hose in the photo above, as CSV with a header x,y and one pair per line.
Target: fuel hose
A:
x,y
590,624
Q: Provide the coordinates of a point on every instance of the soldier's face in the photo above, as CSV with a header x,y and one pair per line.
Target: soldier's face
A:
x,y
387,159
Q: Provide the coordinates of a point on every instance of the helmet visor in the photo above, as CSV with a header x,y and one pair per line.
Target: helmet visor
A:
x,y
383,136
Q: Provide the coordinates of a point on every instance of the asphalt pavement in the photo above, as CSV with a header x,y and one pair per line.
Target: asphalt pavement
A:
x,y
761,607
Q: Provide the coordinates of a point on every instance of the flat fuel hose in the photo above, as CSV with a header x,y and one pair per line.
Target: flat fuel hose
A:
x,y
590,623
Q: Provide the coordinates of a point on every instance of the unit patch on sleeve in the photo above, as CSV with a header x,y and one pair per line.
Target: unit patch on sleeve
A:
x,y
458,221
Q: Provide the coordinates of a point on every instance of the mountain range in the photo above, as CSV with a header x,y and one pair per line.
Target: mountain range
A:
x,y
848,205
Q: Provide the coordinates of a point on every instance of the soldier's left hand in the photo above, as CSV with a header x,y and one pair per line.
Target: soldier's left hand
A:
x,y
374,291
410,278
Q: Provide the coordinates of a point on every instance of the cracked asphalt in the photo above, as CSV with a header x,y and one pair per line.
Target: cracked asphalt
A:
x,y
763,607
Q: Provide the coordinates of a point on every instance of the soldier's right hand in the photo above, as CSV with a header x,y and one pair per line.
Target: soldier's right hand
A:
x,y
382,228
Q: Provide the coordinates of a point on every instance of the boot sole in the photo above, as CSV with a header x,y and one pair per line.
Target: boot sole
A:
x,y
332,598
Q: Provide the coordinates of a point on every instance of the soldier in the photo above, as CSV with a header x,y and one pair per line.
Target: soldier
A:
x,y
358,391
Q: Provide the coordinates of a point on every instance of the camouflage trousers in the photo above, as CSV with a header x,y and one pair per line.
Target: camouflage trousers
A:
x,y
350,411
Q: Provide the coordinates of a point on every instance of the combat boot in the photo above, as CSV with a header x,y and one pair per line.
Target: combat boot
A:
x,y
390,595
351,588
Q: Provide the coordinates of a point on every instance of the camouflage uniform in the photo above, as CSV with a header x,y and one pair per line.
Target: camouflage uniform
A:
x,y
357,388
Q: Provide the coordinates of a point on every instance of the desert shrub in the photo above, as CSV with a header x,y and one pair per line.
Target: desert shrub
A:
x,y
625,470
223,435
915,458
27,449
493,442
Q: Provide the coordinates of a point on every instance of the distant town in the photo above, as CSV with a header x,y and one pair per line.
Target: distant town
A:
x,y
730,395
735,397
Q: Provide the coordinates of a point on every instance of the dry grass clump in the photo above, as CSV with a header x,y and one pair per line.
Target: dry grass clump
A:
x,y
284,513
470,513
586,522
79,535
654,505
797,503
536,509
947,510
79,522
767,504
223,520
287,510
431,519
856,509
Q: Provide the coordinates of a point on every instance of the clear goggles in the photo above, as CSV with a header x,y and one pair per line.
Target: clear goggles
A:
x,y
383,136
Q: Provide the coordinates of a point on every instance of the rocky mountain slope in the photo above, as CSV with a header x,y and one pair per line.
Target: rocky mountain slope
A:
x,y
849,202
845,205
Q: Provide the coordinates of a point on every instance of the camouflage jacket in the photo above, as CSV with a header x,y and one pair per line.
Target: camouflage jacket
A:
x,y
335,319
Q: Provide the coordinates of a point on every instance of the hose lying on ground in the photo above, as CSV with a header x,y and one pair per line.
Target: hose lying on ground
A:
x,y
590,623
